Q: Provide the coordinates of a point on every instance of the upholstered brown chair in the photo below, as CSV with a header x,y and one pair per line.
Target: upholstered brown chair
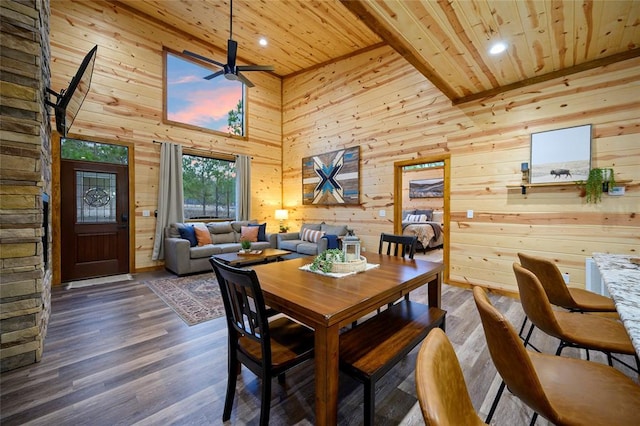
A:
x,y
581,331
559,294
440,386
267,348
565,391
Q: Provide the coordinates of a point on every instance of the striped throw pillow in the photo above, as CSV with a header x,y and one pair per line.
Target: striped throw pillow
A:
x,y
311,235
416,218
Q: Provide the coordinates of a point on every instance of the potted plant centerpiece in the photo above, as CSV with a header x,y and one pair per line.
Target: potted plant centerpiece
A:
x,y
245,244
598,181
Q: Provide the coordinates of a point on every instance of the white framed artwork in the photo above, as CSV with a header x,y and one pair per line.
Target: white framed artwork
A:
x,y
561,156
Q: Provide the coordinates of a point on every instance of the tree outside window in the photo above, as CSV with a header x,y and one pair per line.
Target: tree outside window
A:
x,y
209,188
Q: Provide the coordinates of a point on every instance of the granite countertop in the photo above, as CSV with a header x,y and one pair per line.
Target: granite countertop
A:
x,y
622,278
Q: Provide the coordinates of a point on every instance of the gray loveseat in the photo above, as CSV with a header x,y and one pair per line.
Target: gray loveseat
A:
x,y
181,257
300,243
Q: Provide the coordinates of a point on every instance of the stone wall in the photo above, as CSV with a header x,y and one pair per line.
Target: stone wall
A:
x,y
25,155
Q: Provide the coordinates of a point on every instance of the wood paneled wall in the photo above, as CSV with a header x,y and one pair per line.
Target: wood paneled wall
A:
x,y
376,100
126,99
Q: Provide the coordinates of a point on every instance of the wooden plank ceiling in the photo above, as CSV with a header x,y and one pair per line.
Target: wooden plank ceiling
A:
x,y
446,40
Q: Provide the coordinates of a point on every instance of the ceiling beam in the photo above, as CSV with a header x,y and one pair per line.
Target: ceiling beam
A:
x,y
362,11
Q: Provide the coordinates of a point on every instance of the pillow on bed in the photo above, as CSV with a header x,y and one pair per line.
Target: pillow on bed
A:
x,y
416,218
438,217
428,213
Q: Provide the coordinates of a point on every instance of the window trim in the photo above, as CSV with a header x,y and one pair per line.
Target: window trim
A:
x,y
165,119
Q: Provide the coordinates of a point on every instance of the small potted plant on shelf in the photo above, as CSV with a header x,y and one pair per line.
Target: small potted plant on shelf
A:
x,y
598,181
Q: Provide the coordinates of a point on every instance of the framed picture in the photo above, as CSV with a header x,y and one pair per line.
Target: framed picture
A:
x,y
332,178
426,188
562,155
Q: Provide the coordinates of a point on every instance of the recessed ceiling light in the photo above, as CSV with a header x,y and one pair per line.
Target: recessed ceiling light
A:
x,y
498,47
263,41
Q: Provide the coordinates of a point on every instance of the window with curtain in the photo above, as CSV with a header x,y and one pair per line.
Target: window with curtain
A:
x,y
209,186
216,104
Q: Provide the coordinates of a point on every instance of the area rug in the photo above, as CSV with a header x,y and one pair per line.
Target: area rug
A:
x,y
194,298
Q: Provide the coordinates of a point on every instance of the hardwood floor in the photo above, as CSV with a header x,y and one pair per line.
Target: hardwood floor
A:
x,y
115,354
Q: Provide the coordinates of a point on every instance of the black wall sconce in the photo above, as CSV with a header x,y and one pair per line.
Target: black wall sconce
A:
x,y
524,168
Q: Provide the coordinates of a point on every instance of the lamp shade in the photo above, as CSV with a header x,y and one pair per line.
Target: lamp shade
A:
x,y
282,214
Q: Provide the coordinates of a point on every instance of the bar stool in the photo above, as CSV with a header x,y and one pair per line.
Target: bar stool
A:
x,y
559,294
442,392
565,391
580,331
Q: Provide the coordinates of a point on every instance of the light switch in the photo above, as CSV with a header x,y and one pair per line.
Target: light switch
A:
x,y
146,213
469,214
382,213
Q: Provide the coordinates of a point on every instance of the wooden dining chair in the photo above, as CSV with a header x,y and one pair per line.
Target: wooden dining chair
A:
x,y
440,386
559,294
398,245
565,391
267,348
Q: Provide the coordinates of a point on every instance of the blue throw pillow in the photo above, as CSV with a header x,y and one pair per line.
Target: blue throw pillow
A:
x,y
262,231
187,232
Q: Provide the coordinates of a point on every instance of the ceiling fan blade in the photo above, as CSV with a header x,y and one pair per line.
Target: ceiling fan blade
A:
x,y
214,75
202,58
255,67
232,51
244,80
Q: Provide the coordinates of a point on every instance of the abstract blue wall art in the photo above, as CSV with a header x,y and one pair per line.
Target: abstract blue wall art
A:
x,y
332,178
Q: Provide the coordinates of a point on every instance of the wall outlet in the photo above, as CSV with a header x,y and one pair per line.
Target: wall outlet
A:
x,y
565,276
363,249
146,213
469,214
382,213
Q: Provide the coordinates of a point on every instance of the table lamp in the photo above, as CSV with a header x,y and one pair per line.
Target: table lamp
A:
x,y
282,215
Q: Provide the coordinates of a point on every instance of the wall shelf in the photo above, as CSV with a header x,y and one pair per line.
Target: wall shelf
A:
x,y
524,186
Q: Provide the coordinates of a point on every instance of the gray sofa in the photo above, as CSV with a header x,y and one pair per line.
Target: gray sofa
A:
x,y
182,259
294,241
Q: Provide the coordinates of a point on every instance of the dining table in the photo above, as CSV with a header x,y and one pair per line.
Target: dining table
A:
x,y
621,276
327,304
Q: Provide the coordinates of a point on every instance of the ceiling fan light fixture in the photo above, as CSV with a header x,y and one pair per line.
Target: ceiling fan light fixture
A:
x,y
498,47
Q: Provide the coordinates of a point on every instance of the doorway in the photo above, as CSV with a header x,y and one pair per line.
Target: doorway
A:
x,y
399,183
92,209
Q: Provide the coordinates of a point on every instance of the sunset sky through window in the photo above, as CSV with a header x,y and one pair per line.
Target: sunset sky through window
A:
x,y
193,100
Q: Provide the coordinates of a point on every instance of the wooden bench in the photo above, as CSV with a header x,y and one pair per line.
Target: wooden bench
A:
x,y
369,350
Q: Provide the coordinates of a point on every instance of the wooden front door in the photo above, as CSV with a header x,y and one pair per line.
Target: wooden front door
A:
x,y
94,219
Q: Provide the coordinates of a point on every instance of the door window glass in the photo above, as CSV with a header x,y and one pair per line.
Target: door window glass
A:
x,y
95,197
75,149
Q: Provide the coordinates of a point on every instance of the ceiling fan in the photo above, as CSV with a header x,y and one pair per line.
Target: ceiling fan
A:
x,y
230,70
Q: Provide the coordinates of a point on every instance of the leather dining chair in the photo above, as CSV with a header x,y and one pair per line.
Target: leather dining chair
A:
x,y
559,294
565,391
267,348
579,331
440,386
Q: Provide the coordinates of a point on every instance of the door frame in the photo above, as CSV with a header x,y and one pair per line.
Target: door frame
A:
x,y
56,226
397,199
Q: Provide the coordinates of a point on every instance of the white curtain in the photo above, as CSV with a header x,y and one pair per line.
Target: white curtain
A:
x,y
170,194
243,187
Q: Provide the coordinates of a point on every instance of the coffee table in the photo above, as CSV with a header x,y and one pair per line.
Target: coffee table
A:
x,y
235,259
